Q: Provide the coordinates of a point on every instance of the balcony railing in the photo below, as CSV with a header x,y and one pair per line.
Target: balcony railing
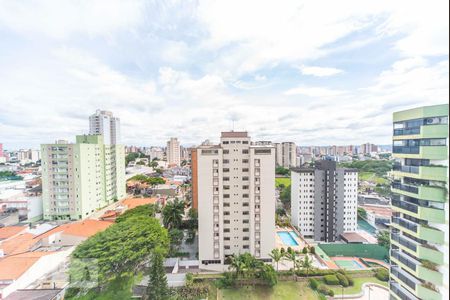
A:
x,y
405,224
407,279
405,205
407,188
407,169
409,262
407,131
400,292
404,241
406,150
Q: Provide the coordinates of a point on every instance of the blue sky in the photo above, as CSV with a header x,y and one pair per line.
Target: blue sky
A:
x,y
313,72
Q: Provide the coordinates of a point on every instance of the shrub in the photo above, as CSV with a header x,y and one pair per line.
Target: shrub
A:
x,y
323,289
322,297
313,283
312,250
382,274
342,279
331,280
351,282
305,250
330,293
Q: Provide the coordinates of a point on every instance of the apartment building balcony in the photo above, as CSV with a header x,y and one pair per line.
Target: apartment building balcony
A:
x,y
401,293
438,173
422,251
423,290
425,271
420,152
429,214
424,131
423,192
420,231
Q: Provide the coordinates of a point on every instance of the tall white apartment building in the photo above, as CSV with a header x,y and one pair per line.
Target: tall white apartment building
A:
x,y
324,201
79,178
103,122
234,193
173,152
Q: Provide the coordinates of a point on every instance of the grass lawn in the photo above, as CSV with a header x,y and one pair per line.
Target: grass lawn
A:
x,y
282,180
284,290
356,288
372,177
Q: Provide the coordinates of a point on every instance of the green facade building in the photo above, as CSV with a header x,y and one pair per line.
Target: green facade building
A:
x,y
419,226
78,179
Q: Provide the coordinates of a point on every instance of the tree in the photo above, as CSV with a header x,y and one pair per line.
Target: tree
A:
x,y
384,239
281,171
306,264
140,211
176,238
292,256
285,196
172,214
277,256
362,214
305,250
120,250
153,164
157,288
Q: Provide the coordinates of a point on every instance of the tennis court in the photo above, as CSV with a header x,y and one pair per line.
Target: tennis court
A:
x,y
348,263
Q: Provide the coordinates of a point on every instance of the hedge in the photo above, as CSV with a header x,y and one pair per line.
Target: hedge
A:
x,y
342,280
331,280
313,283
382,274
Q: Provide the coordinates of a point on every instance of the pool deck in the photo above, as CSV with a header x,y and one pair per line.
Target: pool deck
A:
x,y
279,242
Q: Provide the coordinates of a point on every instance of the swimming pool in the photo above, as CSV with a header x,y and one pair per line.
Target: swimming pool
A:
x,y
288,238
364,225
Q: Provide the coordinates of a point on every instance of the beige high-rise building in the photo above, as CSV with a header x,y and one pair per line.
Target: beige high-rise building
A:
x,y
173,152
288,154
234,192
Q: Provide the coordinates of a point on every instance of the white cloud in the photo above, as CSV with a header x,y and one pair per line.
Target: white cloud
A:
x,y
60,19
319,71
314,92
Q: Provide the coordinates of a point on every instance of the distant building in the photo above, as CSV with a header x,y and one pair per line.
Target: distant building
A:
x,y
324,201
79,178
233,189
173,152
1,150
286,154
368,148
103,122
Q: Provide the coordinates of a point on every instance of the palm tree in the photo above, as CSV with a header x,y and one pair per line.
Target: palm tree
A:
x,y
306,264
292,256
276,255
173,214
236,264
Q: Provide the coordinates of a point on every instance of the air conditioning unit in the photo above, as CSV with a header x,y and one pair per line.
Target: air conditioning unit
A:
x,y
431,121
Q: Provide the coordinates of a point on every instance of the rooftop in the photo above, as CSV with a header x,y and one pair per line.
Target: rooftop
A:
x,y
353,237
12,267
36,294
7,232
135,202
85,228
380,210
234,134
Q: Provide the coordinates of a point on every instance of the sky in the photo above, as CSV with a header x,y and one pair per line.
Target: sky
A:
x,y
312,72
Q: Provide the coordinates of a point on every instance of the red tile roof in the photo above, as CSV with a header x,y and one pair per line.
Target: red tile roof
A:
x,y
12,267
7,232
135,202
85,228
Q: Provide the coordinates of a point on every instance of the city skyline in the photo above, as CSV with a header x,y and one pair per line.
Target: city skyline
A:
x,y
153,63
